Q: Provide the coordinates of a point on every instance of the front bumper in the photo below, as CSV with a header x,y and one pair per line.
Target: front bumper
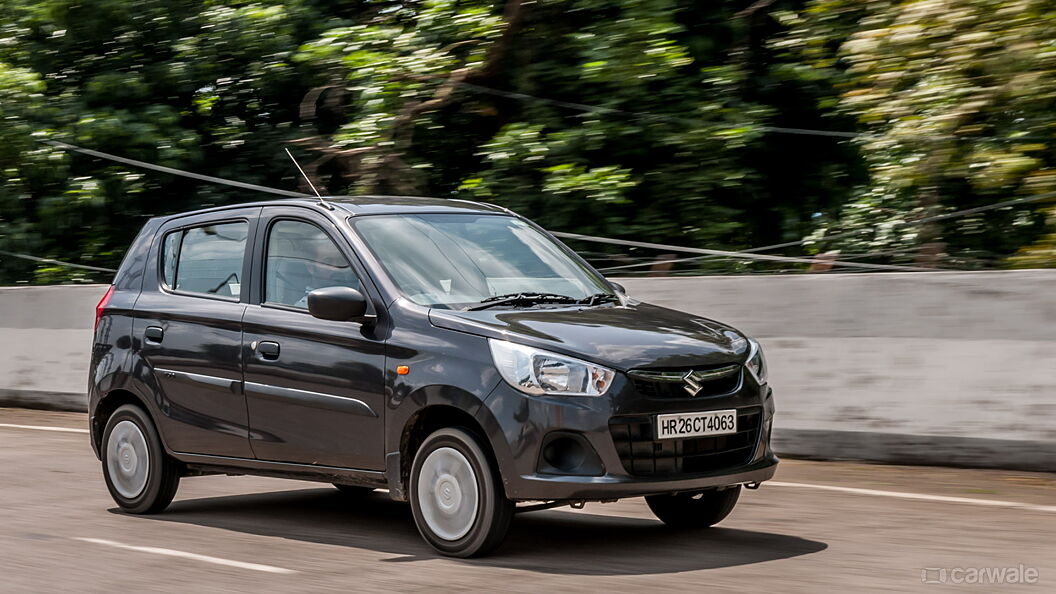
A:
x,y
539,487
526,425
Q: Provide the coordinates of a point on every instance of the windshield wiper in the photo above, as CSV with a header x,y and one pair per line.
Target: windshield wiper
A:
x,y
522,299
599,298
537,298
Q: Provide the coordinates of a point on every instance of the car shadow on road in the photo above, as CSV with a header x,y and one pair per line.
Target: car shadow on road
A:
x,y
553,541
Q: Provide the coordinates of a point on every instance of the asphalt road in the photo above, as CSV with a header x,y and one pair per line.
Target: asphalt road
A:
x,y
819,526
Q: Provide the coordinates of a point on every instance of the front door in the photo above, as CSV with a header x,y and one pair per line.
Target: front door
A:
x,y
314,387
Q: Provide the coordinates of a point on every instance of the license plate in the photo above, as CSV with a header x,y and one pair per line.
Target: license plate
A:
x,y
696,424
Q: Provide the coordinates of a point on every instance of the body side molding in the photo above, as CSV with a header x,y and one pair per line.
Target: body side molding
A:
x,y
313,399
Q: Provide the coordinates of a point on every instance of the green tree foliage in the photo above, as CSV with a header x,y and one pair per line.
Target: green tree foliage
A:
x,y
626,118
184,84
955,101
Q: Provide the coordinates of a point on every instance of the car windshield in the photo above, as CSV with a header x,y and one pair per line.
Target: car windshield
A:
x,y
458,260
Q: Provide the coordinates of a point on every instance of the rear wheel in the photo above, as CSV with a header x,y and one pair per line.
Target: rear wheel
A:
x,y
141,478
694,510
458,503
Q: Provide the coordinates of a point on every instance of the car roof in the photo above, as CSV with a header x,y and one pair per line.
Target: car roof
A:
x,y
408,204
369,205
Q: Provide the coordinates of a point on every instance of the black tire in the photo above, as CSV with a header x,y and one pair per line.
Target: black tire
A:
x,y
694,510
162,475
354,490
493,510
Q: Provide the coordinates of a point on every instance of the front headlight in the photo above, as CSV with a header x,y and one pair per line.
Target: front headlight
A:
x,y
756,361
534,371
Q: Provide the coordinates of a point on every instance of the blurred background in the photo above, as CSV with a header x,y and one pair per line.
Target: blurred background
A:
x,y
916,132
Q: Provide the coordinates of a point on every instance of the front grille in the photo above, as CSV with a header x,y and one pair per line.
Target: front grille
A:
x,y
642,455
670,385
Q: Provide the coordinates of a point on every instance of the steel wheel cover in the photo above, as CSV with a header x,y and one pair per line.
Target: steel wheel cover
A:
x,y
127,459
448,494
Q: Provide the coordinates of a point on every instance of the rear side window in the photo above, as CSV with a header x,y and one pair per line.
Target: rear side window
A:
x,y
302,258
206,259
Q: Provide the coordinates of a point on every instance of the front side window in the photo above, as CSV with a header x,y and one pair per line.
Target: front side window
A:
x,y
206,259
456,260
302,258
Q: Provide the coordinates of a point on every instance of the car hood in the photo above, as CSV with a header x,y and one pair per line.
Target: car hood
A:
x,y
635,335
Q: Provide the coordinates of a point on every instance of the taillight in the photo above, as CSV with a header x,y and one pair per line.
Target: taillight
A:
x,y
102,305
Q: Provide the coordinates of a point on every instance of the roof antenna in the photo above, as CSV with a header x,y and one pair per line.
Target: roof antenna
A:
x,y
322,202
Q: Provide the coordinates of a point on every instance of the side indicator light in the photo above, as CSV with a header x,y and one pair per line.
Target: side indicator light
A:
x,y
403,370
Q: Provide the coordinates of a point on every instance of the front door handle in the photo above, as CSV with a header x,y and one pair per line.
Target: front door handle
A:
x,y
268,350
154,333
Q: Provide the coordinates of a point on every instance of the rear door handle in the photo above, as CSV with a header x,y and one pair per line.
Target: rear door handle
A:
x,y
268,350
154,333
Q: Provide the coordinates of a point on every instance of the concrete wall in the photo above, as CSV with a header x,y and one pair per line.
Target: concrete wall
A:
x,y
930,368
45,345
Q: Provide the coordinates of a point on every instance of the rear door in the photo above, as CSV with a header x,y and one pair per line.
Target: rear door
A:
x,y
314,387
189,328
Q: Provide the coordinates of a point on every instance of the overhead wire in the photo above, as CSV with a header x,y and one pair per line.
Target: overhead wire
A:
x,y
143,165
846,135
55,262
171,170
823,239
180,172
647,115
749,254
775,129
738,255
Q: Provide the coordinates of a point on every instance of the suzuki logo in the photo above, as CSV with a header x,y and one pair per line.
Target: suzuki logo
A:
x,y
694,380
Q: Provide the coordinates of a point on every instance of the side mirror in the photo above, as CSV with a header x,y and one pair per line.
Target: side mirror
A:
x,y
619,288
340,304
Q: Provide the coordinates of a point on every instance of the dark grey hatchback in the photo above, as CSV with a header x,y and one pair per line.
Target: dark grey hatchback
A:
x,y
450,352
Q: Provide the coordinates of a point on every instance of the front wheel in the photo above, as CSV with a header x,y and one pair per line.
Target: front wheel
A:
x,y
141,478
458,504
694,510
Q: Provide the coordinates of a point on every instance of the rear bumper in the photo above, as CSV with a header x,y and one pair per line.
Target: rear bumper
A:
x,y
521,426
